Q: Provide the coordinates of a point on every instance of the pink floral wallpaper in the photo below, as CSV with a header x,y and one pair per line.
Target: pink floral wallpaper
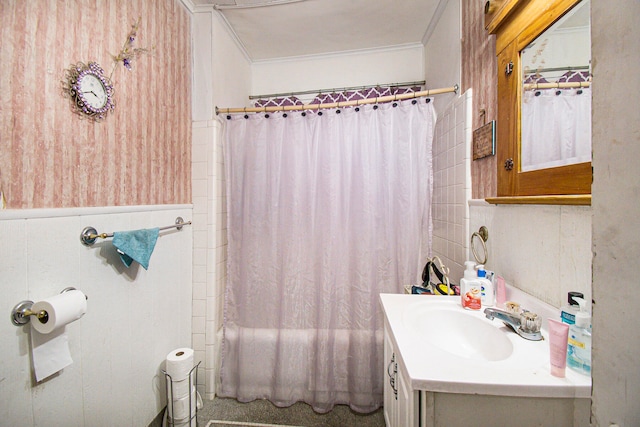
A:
x,y
140,154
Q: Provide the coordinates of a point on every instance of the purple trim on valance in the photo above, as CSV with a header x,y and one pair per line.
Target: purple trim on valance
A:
x,y
278,102
374,92
569,76
328,98
575,76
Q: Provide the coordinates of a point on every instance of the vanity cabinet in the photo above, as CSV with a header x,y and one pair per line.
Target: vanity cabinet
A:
x,y
400,401
427,386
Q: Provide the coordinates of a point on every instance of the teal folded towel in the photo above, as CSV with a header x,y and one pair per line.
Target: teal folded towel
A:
x,y
136,245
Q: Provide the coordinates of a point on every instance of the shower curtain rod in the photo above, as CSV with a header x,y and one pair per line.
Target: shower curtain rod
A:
x,y
336,89
566,68
380,99
563,85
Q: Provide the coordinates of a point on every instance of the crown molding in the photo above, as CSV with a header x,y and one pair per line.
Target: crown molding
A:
x,y
435,19
197,8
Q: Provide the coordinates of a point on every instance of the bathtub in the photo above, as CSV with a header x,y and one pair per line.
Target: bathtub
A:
x,y
320,367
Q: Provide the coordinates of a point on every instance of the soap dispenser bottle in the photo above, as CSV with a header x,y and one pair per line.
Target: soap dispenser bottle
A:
x,y
579,344
569,310
470,288
487,294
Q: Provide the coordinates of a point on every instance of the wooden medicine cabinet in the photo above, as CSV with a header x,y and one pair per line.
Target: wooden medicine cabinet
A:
x,y
544,65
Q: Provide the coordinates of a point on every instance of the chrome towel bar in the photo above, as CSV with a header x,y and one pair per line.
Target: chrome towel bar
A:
x,y
89,234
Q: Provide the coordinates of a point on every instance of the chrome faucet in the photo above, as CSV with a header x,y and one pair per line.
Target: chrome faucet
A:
x,y
527,324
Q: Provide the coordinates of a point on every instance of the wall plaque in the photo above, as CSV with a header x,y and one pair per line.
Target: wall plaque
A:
x,y
484,141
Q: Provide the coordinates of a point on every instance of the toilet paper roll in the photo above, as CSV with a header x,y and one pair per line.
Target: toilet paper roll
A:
x,y
61,309
180,410
50,353
179,363
166,422
180,389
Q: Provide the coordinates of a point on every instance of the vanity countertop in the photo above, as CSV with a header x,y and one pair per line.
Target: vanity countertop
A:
x,y
525,373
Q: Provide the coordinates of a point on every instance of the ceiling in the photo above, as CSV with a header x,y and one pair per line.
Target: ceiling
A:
x,y
271,29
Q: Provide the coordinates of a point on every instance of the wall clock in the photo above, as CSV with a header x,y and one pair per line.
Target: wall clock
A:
x,y
91,92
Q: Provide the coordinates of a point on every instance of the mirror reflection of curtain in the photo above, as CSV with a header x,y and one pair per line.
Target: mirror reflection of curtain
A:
x,y
556,129
325,212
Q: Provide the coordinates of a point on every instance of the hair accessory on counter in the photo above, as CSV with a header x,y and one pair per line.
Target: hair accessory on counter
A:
x,y
419,290
435,278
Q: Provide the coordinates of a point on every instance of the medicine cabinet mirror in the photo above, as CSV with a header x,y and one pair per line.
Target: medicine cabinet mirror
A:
x,y
544,100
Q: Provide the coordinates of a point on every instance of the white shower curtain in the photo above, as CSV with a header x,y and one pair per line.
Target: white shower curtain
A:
x,y
556,129
325,212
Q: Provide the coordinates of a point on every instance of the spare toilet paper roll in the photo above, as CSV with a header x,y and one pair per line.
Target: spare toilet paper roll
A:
x,y
61,310
180,388
180,410
179,363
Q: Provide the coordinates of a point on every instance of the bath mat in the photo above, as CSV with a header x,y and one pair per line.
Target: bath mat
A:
x,y
222,423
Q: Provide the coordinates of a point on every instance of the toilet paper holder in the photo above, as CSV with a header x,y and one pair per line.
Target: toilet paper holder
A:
x,y
21,313
192,378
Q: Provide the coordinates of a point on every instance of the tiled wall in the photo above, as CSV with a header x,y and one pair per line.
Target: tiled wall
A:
x,y
209,249
452,184
134,317
542,250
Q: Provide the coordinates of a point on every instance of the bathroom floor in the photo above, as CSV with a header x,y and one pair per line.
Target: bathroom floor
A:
x,y
263,412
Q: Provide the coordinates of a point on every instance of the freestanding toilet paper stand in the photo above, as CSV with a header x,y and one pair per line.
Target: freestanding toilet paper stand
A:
x,y
190,419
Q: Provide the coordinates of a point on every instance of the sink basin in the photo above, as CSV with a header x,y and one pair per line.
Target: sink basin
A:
x,y
457,331
444,348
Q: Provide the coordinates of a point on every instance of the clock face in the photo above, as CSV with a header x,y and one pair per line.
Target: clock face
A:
x,y
93,91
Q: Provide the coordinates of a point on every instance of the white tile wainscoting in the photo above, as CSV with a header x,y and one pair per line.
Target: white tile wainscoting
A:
x,y
134,317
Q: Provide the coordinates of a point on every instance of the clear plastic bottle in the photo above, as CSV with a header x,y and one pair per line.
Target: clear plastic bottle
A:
x,y
579,344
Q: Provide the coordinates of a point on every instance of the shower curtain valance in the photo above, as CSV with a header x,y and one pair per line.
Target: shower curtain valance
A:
x,y
354,103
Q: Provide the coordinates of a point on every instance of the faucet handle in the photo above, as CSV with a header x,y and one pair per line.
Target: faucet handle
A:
x,y
512,307
530,322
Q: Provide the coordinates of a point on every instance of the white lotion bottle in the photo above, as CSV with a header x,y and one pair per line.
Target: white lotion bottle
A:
x,y
487,293
470,288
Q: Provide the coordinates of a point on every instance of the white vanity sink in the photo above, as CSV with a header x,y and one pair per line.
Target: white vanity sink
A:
x,y
445,348
443,324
